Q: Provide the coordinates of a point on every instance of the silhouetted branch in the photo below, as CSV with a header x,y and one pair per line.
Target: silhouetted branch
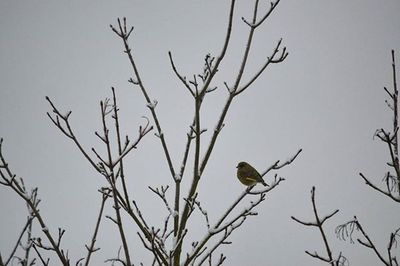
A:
x,y
9,180
18,243
107,165
124,35
391,139
346,231
222,225
255,25
387,193
392,180
91,248
270,60
180,77
319,224
277,166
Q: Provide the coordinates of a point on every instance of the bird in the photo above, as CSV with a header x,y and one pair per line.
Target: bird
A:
x,y
249,176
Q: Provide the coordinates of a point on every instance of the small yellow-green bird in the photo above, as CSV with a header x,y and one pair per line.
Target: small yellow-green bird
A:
x,y
248,175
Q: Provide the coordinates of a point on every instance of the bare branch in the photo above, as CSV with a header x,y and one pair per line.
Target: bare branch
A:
x,y
345,231
68,131
204,212
255,25
24,229
304,223
318,223
161,193
110,164
181,78
387,193
124,35
45,263
315,255
221,225
270,60
277,166
91,248
32,202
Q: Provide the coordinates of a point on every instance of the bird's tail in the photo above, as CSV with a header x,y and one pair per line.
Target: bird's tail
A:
x,y
264,184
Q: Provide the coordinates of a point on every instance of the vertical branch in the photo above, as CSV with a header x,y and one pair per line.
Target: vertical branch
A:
x,y
392,243
321,230
178,179
91,249
176,206
28,246
110,164
28,243
391,139
121,166
395,122
395,99
196,174
392,180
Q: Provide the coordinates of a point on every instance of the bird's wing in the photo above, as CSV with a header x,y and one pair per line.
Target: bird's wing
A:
x,y
252,178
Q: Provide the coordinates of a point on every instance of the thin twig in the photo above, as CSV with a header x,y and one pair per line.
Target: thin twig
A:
x,y
124,35
26,226
346,230
91,248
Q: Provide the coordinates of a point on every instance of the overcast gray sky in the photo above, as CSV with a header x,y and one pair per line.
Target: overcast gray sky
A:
x,y
327,98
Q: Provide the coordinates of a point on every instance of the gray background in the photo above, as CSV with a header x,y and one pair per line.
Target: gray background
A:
x,y
326,98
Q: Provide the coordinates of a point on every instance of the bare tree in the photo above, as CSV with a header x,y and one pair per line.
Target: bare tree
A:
x,y
391,181
329,258
168,244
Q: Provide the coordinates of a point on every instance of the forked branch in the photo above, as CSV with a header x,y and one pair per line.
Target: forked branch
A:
x,y
124,34
319,224
346,231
